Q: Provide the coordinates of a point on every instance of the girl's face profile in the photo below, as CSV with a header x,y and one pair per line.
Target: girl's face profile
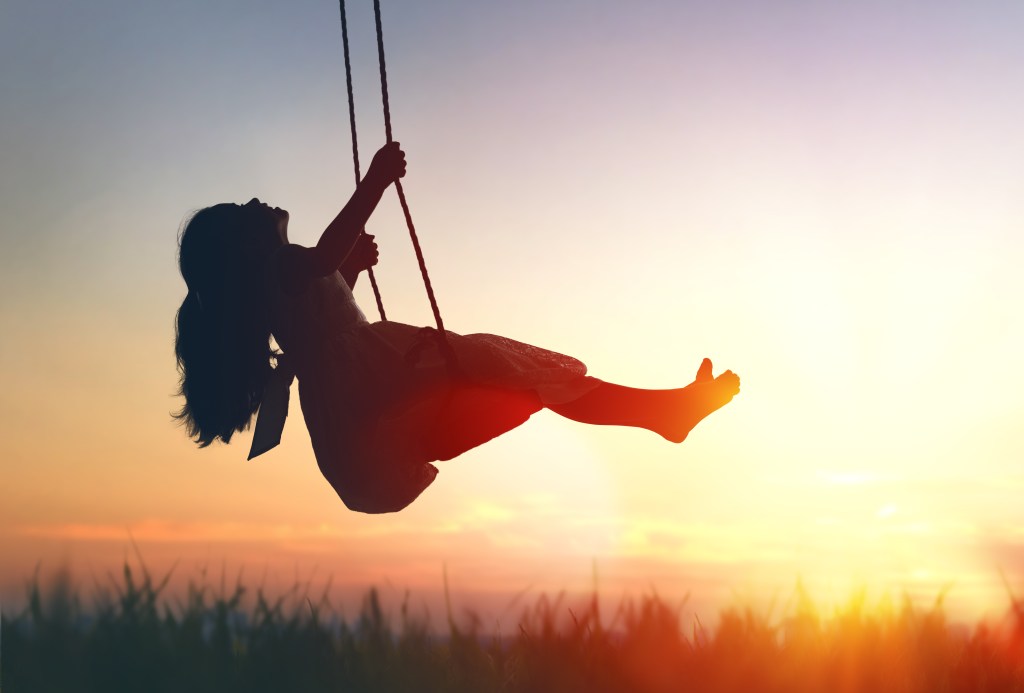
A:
x,y
272,221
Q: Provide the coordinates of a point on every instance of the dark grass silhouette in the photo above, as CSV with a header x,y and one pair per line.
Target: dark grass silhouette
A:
x,y
131,638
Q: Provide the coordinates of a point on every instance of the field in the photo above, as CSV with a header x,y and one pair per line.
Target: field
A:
x,y
131,638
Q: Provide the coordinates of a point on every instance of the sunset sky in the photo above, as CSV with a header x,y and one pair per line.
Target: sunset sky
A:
x,y
827,198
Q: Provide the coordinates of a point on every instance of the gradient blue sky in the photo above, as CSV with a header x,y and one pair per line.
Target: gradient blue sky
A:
x,y
825,197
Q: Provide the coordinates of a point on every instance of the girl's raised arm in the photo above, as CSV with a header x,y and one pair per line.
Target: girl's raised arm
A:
x,y
298,264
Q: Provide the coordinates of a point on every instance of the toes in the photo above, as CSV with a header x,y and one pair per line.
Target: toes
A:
x,y
729,380
704,372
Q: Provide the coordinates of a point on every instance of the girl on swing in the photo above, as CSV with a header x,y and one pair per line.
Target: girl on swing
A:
x,y
381,400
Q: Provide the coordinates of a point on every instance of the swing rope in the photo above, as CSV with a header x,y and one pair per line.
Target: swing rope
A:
x,y
401,193
443,344
355,143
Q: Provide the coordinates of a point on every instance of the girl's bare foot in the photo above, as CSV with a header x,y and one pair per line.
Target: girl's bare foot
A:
x,y
703,396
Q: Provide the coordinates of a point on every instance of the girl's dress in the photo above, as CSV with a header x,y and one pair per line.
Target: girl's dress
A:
x,y
371,393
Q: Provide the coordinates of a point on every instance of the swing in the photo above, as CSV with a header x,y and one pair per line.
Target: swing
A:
x,y
443,343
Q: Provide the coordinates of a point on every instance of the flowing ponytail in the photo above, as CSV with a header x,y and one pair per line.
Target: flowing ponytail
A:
x,y
222,330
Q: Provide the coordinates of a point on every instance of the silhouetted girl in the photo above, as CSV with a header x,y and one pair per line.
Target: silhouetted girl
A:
x,y
378,399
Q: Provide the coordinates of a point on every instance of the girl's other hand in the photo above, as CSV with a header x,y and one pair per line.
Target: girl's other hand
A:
x,y
388,165
363,256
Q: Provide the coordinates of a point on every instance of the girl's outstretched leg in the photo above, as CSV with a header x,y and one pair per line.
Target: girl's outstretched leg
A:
x,y
671,414
473,414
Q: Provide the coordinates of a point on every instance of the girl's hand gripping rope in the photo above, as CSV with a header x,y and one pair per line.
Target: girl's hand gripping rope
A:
x,y
388,166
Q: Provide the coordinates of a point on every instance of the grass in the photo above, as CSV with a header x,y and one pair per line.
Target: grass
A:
x,y
132,638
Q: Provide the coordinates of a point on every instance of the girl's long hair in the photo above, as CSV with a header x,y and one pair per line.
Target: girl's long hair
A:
x,y
222,336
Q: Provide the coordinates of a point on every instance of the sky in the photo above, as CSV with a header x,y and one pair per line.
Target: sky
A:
x,y
823,197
